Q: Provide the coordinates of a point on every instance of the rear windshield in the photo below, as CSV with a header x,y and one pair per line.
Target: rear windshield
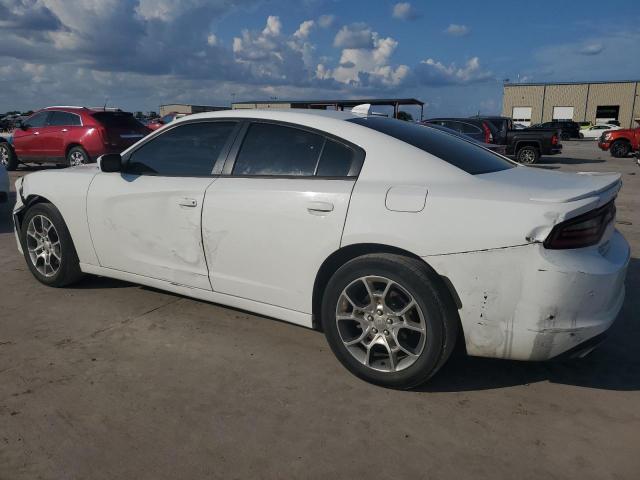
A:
x,y
117,120
465,155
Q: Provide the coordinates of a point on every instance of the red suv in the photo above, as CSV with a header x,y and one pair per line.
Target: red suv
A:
x,y
70,136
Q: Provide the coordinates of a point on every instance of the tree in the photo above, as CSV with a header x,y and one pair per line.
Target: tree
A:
x,y
406,116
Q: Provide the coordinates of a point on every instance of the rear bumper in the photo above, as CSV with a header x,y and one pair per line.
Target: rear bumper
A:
x,y
529,303
555,150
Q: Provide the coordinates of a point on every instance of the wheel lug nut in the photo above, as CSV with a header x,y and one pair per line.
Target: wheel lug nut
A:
x,y
386,332
389,321
370,318
374,330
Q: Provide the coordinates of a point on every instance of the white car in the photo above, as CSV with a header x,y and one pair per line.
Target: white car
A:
x,y
596,131
396,240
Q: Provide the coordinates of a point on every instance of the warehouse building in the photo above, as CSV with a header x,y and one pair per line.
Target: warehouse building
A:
x,y
595,102
188,109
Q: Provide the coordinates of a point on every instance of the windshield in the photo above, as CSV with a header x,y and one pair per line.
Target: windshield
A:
x,y
461,153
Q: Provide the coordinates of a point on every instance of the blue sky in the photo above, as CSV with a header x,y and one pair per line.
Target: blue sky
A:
x,y
453,55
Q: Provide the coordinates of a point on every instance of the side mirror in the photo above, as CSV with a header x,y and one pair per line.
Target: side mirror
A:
x,y
110,162
21,125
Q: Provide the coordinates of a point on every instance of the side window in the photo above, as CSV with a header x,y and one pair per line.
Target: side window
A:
x,y
58,119
37,120
336,160
187,150
270,149
470,129
452,125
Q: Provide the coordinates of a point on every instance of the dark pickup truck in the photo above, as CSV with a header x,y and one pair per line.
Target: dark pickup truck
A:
x,y
526,145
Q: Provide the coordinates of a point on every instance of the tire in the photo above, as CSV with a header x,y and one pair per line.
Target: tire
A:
x,y
8,157
77,156
565,136
581,136
377,331
620,149
528,155
64,267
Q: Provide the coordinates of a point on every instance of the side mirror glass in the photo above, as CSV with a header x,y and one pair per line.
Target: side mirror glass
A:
x,y
110,162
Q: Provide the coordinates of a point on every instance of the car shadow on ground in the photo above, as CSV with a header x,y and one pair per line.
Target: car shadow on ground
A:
x,y
567,161
615,365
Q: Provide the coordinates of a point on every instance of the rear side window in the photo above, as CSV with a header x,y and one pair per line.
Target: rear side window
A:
x,y
461,153
336,160
470,129
58,119
188,150
121,120
270,149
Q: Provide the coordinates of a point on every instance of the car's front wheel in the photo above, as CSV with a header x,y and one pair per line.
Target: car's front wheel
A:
x,y
620,149
8,157
388,320
48,248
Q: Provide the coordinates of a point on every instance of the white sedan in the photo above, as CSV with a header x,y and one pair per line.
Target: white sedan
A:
x,y
596,131
395,239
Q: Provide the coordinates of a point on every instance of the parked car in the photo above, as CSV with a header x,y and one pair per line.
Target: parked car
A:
x,y
567,129
620,142
519,126
584,125
499,149
479,130
396,239
159,122
595,132
70,136
4,189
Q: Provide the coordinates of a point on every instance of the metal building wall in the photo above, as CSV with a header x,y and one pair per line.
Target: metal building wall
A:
x,y
524,96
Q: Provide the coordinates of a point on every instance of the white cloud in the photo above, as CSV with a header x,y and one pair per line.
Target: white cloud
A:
x,y
273,27
405,11
305,29
434,72
592,49
456,30
356,35
326,21
212,39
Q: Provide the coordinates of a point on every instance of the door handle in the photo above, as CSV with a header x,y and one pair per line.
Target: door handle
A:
x,y
65,129
36,133
188,202
320,207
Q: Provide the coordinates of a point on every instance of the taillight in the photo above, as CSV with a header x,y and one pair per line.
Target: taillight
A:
x,y
554,140
488,136
582,231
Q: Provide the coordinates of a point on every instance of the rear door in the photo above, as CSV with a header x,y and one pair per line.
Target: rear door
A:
x,y
277,212
60,126
146,219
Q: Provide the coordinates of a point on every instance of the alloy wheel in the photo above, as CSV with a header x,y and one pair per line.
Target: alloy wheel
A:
x,y
4,156
43,245
527,157
77,158
381,324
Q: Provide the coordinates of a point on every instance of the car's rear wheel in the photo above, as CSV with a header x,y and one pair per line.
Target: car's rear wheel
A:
x,y
8,157
528,155
388,320
620,149
48,248
77,156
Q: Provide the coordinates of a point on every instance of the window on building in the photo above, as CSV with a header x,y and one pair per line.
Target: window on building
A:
x,y
606,113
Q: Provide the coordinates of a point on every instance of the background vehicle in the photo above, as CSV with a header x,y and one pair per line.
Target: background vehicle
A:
x,y
168,118
584,125
4,190
595,131
392,262
620,142
568,129
500,149
70,136
479,130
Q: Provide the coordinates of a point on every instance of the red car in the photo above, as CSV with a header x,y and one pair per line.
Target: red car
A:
x,y
70,136
168,118
620,142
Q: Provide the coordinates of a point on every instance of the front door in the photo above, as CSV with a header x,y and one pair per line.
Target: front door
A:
x,y
146,219
279,213
28,141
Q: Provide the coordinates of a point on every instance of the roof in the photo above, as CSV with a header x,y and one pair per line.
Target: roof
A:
x,y
539,84
273,114
343,102
192,105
